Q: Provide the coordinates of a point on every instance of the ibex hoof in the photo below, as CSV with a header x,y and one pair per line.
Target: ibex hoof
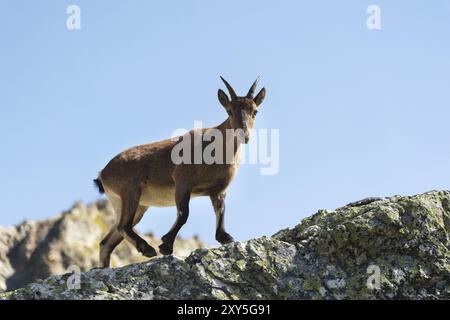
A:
x,y
147,250
224,238
166,248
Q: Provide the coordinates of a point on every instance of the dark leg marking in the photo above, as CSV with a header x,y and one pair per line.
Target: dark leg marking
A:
x,y
218,202
182,197
114,238
130,204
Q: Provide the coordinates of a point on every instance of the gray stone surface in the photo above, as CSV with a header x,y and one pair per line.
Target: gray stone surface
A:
x,y
329,255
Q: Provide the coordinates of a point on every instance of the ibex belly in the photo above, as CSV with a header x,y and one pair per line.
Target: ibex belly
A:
x,y
159,196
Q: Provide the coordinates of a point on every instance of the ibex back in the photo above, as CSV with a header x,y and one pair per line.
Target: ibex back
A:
x,y
146,176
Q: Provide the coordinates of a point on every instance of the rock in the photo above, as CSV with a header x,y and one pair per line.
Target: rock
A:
x,y
392,248
35,250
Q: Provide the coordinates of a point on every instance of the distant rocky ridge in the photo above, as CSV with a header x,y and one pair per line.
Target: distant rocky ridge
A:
x,y
35,250
389,248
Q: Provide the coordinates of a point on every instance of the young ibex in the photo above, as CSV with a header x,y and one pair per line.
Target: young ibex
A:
x,y
146,175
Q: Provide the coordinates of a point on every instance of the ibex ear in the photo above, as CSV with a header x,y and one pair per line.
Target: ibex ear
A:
x,y
223,98
260,97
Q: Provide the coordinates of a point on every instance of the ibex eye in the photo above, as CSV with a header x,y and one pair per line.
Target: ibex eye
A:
x,y
229,112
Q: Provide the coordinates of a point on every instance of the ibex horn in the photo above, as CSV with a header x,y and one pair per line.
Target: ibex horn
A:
x,y
251,92
230,89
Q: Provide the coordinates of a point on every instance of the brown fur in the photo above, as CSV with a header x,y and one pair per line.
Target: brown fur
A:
x,y
145,175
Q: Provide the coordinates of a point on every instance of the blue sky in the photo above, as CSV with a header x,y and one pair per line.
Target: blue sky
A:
x,y
360,113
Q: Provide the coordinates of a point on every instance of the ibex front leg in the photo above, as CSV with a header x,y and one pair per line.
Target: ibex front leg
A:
x,y
182,197
218,202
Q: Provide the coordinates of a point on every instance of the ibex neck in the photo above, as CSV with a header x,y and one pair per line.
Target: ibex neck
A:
x,y
225,125
228,137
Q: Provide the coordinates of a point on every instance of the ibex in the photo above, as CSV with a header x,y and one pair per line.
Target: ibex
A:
x,y
146,175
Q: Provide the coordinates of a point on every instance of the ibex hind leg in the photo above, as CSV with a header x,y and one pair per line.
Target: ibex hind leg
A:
x,y
114,237
130,205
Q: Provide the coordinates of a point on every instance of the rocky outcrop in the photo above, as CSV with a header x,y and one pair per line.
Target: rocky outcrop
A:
x,y
391,248
35,250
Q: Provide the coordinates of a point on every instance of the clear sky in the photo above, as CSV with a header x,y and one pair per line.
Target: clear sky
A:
x,y
360,112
